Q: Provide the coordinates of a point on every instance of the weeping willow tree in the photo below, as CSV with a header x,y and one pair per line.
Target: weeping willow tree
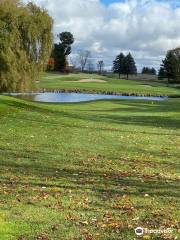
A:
x,y
25,44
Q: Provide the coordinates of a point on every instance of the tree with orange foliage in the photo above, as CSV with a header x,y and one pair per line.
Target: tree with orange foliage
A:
x,y
50,65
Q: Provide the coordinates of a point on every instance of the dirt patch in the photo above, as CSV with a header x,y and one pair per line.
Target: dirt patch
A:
x,y
89,80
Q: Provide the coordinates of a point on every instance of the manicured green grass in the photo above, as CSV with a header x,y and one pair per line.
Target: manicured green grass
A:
x,y
51,81
89,171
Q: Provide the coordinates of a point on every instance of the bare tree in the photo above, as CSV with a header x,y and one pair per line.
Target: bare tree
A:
x,y
90,66
74,61
83,58
100,66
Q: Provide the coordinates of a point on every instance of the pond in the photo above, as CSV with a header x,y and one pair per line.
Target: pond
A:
x,y
77,97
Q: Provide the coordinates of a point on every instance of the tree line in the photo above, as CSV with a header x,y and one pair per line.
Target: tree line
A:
x,y
147,70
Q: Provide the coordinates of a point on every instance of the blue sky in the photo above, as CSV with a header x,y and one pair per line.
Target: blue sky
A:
x,y
174,3
107,2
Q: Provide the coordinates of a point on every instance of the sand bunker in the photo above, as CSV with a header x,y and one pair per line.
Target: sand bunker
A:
x,y
89,80
145,85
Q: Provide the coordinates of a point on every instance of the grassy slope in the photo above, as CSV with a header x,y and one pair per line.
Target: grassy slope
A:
x,y
88,171
56,81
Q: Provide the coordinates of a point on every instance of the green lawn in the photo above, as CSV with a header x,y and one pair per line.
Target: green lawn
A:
x,y
51,81
89,171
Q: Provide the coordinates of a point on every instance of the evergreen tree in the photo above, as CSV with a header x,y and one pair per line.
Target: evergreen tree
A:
x,y
153,71
25,44
62,50
129,65
147,70
124,65
118,64
168,65
144,70
161,73
176,62
115,66
121,58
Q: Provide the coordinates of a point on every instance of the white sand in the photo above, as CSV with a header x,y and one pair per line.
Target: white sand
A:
x,y
144,85
89,80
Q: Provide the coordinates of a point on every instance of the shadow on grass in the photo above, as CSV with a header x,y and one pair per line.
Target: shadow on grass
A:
x,y
82,179
150,120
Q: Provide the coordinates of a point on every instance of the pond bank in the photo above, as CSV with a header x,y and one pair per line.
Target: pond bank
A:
x,y
77,97
91,91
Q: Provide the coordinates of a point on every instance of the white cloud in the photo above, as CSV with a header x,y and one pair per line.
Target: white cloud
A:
x,y
147,28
